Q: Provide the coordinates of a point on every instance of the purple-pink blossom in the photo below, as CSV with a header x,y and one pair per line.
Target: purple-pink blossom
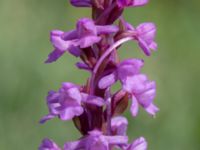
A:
x,y
68,102
142,92
85,35
144,34
123,70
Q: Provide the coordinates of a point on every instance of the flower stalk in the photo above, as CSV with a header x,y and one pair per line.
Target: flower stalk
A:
x,y
95,109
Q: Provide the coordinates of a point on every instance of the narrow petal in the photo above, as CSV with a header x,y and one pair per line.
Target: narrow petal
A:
x,y
107,29
140,2
54,55
70,112
94,100
152,109
83,66
58,42
88,41
131,3
107,81
75,51
46,118
134,107
143,45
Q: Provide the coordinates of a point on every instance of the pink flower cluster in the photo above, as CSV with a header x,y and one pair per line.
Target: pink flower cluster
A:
x,y
95,110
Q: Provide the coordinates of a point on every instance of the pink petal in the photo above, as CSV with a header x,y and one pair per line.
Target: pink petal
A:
x,y
48,144
134,107
107,81
107,29
119,125
46,118
58,42
140,2
152,109
54,55
94,100
70,112
88,41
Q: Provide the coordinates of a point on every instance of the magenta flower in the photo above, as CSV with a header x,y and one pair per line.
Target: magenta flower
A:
x,y
145,34
67,102
85,35
94,107
48,144
142,92
123,70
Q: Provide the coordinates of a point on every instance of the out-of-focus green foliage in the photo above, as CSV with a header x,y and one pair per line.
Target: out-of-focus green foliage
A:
x,y
25,79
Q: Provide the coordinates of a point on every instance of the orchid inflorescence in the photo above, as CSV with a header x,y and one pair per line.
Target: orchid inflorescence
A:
x,y
94,108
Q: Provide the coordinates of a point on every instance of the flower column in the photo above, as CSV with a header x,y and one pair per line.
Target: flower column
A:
x,y
94,109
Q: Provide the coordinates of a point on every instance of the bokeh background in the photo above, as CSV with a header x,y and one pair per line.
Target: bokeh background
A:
x,y
25,79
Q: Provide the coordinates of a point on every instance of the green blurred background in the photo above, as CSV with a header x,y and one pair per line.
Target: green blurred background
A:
x,y
25,79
